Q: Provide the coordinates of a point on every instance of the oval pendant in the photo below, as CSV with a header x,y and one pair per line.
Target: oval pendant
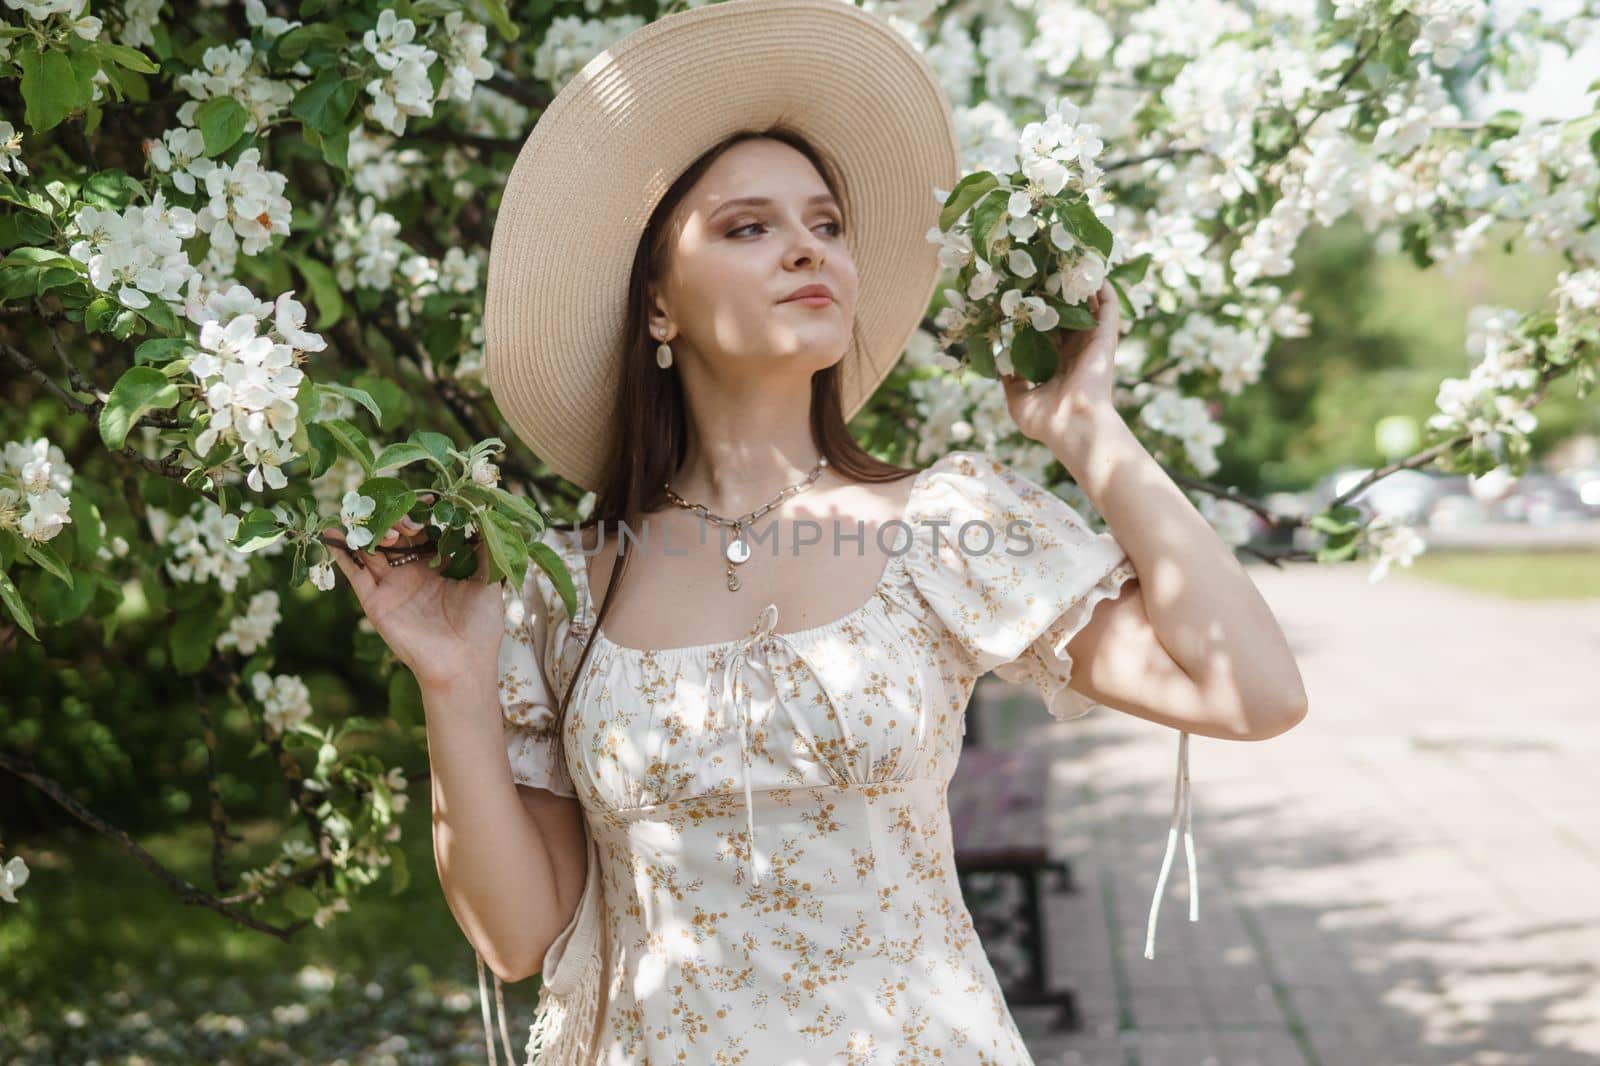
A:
x,y
733,582
738,550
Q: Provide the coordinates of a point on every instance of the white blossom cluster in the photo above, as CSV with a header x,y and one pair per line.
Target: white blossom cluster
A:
x,y
1578,303
571,42
366,249
254,628
456,272
384,167
1052,154
354,510
35,479
1482,403
11,150
1224,316
403,89
13,875
201,544
238,72
250,379
138,253
1236,354
285,700
1449,28
1184,418
85,26
1393,543
245,211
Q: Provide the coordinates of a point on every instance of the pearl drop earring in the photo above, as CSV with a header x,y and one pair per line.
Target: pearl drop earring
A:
x,y
663,355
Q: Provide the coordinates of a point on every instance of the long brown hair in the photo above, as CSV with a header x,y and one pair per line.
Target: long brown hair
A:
x,y
649,422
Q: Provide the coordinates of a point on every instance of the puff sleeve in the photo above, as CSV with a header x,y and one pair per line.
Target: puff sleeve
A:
x,y
1013,598
1013,572
527,701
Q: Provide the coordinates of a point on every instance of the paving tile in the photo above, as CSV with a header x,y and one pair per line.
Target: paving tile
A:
x,y
1415,869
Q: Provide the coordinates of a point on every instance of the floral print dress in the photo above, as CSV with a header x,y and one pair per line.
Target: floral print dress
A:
x,y
778,880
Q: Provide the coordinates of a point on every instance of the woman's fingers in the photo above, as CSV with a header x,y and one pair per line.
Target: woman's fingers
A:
x,y
350,564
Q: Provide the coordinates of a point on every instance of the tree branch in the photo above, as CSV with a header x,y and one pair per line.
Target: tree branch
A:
x,y
23,768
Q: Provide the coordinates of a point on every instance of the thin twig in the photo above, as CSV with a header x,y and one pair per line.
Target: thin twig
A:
x,y
24,769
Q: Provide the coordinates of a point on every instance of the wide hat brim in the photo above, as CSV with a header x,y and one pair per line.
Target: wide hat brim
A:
x,y
616,136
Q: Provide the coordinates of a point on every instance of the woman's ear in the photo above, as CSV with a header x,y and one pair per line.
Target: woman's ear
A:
x,y
660,324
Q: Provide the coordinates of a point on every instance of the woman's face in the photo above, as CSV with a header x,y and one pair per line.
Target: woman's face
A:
x,y
731,264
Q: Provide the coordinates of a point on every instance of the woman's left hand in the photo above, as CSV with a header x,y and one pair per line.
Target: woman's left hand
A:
x,y
1083,380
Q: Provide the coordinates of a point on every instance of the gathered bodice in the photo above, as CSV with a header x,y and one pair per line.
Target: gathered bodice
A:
x,y
770,811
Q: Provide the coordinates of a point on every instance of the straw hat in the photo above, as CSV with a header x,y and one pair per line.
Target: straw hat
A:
x,y
600,157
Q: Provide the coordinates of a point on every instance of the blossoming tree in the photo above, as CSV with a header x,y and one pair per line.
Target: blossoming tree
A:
x,y
240,303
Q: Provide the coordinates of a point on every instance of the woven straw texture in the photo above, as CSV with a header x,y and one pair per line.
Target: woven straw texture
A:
x,y
601,156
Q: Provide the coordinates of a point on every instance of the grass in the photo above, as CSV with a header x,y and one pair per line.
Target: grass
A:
x,y
1521,575
100,961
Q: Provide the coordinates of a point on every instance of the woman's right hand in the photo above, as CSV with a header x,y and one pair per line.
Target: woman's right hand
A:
x,y
443,629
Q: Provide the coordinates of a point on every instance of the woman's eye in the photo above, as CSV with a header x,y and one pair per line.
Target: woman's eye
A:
x,y
838,227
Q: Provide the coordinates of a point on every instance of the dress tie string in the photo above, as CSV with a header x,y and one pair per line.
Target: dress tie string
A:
x,y
760,631
1182,813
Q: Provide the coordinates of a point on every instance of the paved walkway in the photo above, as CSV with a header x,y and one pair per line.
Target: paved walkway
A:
x,y
1411,877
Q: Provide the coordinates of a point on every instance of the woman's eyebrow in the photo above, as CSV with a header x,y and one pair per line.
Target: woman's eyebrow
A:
x,y
763,201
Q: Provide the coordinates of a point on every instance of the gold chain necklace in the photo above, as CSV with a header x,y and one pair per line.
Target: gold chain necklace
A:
x,y
739,548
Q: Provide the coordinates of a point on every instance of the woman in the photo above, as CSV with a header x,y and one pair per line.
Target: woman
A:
x,y
762,806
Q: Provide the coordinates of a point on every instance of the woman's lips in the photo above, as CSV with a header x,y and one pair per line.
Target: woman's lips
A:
x,y
811,301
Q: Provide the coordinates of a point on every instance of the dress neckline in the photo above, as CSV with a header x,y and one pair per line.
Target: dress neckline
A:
x,y
892,568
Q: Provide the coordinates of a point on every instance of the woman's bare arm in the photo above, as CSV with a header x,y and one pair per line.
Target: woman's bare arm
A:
x,y
511,858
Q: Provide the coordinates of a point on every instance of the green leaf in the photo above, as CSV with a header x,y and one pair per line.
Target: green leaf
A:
x,y
159,315
398,870
295,43
1033,354
27,272
101,314
496,10
391,499
162,350
352,440
324,104
968,191
111,189
400,455
1132,271
360,396
85,524
13,601
124,56
257,529
324,290
301,902
324,450
520,506
191,638
439,446
299,570
139,390
988,223
58,604
47,558
508,552
49,88
560,576
1082,220
222,120
393,399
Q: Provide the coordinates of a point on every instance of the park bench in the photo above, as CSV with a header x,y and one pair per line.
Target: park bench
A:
x,y
1000,839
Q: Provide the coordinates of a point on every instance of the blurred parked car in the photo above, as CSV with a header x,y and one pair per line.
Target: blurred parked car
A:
x,y
1543,500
